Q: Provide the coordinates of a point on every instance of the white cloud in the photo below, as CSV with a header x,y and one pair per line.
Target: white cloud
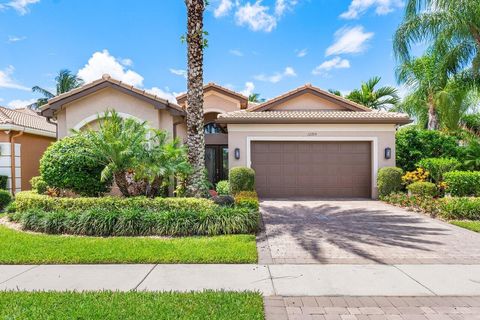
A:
x,y
236,52
17,104
12,39
126,62
101,63
382,7
349,40
249,87
6,80
335,63
21,6
256,17
179,72
276,77
223,8
165,94
283,5
301,53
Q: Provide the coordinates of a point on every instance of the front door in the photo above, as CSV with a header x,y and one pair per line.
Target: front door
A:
x,y
216,162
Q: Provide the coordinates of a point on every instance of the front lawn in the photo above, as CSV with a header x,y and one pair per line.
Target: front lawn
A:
x,y
131,305
17,247
470,225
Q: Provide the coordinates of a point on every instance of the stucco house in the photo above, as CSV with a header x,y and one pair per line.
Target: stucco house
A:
x,y
306,142
24,137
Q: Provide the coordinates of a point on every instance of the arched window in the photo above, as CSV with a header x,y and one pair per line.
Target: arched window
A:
x,y
213,128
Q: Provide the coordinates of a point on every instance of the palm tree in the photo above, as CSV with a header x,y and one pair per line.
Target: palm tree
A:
x,y
335,92
255,97
450,27
380,98
195,137
65,80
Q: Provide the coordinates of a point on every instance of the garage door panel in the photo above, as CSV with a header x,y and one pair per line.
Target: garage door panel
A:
x,y
312,168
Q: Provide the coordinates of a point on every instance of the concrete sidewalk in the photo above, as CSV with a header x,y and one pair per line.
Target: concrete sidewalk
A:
x,y
271,280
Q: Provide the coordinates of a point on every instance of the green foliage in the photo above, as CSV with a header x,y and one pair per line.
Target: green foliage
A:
x,y
463,183
437,167
3,182
470,225
39,185
423,189
241,179
471,122
11,208
413,145
471,157
223,187
460,208
389,180
371,97
427,205
65,81
70,164
247,199
5,199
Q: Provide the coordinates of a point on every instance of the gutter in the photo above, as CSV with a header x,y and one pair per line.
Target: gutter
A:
x,y
14,127
313,121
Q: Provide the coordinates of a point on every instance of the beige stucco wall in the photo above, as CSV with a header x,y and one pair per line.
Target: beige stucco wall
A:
x,y
381,135
307,101
216,102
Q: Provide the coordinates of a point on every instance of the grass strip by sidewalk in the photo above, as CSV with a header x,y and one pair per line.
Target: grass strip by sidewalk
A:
x,y
131,305
470,225
17,247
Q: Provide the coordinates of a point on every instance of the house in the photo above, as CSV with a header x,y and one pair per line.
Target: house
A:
x,y
24,137
306,142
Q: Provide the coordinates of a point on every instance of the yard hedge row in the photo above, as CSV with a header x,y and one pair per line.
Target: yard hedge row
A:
x,y
463,183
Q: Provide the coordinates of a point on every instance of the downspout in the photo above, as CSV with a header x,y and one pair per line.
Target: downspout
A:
x,y
12,160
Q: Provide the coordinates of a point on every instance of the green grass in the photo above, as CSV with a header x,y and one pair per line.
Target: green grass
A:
x,y
17,247
470,225
130,305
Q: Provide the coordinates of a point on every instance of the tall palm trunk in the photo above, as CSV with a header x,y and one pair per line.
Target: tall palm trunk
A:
x,y
195,135
433,122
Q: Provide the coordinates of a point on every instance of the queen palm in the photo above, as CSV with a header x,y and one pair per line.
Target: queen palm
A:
x,y
371,97
195,136
255,97
65,81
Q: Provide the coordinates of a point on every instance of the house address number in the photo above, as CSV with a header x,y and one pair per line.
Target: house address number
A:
x,y
312,134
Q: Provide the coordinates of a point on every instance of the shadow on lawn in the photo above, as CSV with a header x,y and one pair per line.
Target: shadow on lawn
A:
x,y
347,229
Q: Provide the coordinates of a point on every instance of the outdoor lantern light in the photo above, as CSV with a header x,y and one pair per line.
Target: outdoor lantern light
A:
x,y
237,153
388,153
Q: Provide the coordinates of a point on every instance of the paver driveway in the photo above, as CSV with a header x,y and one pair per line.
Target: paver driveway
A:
x,y
359,232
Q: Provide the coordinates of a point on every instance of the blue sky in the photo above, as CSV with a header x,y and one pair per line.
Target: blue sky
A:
x,y
268,46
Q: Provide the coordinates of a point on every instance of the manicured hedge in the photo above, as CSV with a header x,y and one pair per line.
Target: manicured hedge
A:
x,y
247,199
423,189
241,179
5,199
437,167
460,208
463,183
223,187
389,180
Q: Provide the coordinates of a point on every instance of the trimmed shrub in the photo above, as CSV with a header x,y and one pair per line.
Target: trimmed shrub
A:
x,y
423,189
437,167
241,179
5,199
460,208
39,185
413,145
427,205
3,182
247,199
389,180
223,187
11,208
418,175
462,183
70,164
224,200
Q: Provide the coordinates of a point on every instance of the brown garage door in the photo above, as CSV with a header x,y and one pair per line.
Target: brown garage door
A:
x,y
312,169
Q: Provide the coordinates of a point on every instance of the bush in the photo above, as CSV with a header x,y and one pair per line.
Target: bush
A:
x,y
224,200
427,205
418,175
39,185
423,189
5,199
413,145
247,199
70,164
223,187
241,179
460,208
389,180
11,208
463,183
471,122
3,182
437,167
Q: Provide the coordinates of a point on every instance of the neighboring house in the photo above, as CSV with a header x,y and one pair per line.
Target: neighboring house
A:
x,y
306,142
24,137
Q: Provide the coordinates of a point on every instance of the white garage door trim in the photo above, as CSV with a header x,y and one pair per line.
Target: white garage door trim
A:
x,y
373,140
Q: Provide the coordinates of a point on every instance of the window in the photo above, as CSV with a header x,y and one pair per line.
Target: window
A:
x,y
213,128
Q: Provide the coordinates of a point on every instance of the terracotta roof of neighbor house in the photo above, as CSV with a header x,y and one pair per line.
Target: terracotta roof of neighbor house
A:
x,y
28,120
181,99
108,81
246,116
308,88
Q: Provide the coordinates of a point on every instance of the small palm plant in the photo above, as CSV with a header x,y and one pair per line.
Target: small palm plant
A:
x,y
373,98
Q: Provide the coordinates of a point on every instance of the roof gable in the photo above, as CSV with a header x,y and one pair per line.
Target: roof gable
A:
x,y
182,99
325,101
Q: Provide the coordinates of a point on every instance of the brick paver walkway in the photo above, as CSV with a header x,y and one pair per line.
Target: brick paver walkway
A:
x,y
372,308
360,232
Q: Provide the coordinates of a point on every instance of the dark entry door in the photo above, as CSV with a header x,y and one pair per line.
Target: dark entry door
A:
x,y
216,162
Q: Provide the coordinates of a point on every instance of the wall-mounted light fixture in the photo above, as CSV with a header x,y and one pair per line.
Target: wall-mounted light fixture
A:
x,y
237,153
388,153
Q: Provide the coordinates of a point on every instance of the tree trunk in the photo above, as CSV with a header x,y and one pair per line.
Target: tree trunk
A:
x,y
195,135
433,122
122,182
